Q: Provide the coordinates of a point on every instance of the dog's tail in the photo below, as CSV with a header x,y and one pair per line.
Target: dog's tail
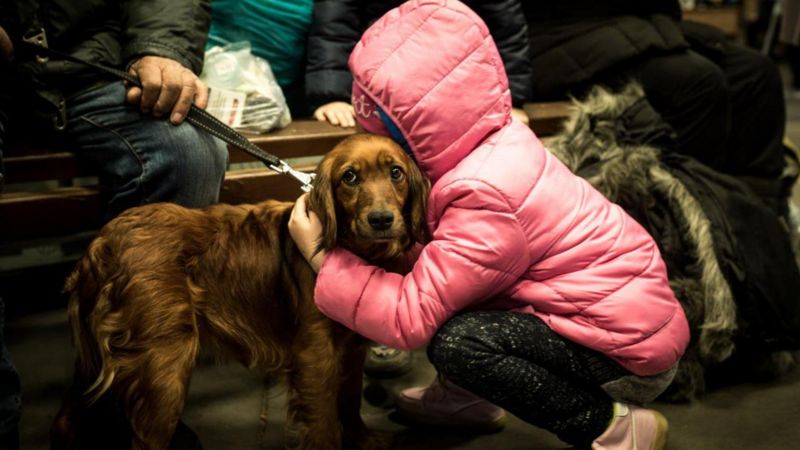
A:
x,y
90,287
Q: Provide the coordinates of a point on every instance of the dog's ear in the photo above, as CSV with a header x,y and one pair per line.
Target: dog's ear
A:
x,y
418,189
322,203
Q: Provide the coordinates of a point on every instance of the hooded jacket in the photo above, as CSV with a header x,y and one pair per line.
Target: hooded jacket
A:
x,y
513,229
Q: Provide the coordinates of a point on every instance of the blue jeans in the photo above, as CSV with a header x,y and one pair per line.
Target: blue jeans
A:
x,y
9,393
143,159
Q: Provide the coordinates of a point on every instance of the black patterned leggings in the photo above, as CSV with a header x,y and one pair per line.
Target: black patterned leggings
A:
x,y
517,362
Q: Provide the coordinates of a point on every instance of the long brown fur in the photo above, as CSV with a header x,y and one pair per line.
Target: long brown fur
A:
x,y
161,282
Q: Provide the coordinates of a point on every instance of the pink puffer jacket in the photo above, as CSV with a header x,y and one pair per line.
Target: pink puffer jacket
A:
x,y
513,228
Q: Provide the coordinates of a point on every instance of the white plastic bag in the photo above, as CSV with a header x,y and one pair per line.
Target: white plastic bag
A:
x,y
243,92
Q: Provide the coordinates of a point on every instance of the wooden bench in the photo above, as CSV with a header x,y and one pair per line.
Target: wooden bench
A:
x,y
69,207
728,19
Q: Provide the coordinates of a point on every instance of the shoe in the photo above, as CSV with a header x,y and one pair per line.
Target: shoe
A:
x,y
634,428
385,362
445,404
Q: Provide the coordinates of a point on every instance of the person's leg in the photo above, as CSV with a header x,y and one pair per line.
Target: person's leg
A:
x,y
725,101
792,53
517,362
691,93
143,159
755,145
9,394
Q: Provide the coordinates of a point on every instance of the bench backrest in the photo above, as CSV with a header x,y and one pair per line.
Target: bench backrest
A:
x,y
64,207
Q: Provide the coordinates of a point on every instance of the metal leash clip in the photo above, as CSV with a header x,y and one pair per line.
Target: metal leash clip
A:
x,y
305,179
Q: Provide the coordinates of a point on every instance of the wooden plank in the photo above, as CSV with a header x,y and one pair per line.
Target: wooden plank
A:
x,y
725,18
43,167
27,215
547,118
299,139
61,211
253,186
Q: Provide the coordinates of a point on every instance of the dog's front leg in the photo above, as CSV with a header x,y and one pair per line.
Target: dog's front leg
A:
x,y
313,389
356,434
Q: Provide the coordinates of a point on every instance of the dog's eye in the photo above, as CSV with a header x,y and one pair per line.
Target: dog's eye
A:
x,y
397,173
350,177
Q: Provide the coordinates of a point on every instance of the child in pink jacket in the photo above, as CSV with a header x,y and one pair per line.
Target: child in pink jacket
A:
x,y
535,293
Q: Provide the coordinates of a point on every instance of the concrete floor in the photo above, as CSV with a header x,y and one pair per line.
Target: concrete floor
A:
x,y
231,408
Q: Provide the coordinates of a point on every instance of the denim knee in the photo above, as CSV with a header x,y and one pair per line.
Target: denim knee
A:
x,y
143,159
189,167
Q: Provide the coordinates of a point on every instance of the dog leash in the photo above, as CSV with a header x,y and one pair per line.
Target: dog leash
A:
x,y
196,116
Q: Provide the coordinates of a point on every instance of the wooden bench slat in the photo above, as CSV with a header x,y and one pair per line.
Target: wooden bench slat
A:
x,y
547,118
726,18
28,215
299,139
253,186
67,210
43,166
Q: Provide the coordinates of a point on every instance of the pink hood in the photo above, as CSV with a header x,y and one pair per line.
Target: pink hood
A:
x,y
513,228
442,61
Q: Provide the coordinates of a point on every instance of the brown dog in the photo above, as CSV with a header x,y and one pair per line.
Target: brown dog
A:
x,y
161,283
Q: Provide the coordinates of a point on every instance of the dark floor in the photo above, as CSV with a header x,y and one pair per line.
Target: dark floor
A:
x,y
231,408
227,404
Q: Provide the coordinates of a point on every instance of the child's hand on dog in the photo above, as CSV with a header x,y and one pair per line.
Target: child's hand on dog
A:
x,y
306,230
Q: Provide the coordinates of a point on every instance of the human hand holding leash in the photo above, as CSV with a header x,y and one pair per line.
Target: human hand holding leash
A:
x,y
306,230
167,87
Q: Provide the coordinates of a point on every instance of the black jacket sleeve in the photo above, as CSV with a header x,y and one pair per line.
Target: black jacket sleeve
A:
x,y
506,21
336,27
174,29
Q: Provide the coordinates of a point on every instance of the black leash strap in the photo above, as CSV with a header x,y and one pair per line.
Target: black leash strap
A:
x,y
196,116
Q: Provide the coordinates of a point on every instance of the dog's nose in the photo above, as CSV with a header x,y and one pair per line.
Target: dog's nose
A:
x,y
380,220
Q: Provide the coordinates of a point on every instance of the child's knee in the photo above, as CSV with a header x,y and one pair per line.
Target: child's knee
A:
x,y
460,340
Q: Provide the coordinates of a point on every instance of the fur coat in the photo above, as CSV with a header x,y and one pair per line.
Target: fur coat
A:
x,y
738,287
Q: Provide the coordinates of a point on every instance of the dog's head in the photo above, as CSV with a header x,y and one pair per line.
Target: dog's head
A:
x,y
370,197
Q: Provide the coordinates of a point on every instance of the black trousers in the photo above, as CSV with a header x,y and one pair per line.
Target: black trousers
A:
x,y
726,107
517,362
